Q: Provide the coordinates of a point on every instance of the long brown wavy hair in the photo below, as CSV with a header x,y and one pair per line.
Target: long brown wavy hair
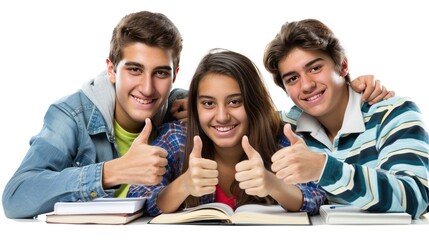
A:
x,y
265,125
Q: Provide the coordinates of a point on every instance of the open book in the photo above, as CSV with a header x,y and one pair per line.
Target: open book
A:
x,y
347,214
247,214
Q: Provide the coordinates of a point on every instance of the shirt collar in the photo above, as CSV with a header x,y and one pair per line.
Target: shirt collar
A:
x,y
353,121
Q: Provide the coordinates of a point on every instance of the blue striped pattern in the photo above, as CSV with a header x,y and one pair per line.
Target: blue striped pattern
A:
x,y
383,169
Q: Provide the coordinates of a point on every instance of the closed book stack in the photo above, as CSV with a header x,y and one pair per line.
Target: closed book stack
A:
x,y
98,211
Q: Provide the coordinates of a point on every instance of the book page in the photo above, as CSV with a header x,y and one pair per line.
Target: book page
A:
x,y
205,212
273,214
258,208
216,205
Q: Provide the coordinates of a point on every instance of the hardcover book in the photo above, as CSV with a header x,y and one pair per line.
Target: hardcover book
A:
x,y
106,218
347,214
100,205
98,211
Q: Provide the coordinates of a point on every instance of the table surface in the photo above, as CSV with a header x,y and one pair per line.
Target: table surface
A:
x,y
139,229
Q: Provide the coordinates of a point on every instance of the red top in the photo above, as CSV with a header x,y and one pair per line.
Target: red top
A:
x,y
221,197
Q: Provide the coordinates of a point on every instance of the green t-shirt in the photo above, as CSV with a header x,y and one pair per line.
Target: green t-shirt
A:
x,y
124,140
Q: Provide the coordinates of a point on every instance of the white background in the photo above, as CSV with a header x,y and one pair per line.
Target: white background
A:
x,y
49,48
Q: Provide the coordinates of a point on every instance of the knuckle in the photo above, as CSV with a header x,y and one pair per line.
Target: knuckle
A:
x,y
259,172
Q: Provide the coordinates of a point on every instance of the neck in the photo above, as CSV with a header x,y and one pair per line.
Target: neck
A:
x,y
226,159
228,156
332,121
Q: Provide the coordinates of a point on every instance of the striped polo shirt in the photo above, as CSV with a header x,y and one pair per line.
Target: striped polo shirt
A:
x,y
379,159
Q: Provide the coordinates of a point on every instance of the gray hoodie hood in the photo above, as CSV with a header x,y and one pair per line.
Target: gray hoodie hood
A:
x,y
102,93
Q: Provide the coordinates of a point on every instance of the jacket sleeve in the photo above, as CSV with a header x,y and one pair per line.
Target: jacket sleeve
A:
x,y
55,168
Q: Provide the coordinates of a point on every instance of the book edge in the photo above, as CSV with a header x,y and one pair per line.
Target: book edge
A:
x,y
105,219
102,207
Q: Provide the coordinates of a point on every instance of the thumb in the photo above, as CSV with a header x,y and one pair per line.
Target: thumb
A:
x,y
293,138
198,147
248,149
145,133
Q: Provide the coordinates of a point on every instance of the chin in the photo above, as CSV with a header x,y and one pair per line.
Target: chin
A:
x,y
223,144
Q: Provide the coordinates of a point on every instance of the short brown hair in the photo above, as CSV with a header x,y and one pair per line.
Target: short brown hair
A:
x,y
152,29
307,34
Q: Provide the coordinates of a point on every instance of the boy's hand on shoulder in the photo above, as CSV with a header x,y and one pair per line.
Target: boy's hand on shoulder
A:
x,y
179,109
371,89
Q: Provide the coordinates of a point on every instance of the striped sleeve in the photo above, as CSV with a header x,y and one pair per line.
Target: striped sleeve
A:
x,y
386,167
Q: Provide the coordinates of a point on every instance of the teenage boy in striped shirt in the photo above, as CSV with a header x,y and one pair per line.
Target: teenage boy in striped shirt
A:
x,y
372,156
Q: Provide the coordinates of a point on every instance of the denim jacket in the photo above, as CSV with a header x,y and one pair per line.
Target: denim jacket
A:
x,y
65,159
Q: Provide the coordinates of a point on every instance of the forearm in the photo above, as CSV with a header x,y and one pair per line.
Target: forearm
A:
x,y
287,195
172,196
113,174
371,189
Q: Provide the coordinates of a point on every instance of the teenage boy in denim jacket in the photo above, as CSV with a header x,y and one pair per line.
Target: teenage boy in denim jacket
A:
x,y
85,149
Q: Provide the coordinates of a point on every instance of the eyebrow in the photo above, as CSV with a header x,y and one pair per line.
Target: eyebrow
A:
x,y
229,96
205,96
305,66
136,64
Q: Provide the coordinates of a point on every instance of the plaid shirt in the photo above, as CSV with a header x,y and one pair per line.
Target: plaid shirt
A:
x,y
173,139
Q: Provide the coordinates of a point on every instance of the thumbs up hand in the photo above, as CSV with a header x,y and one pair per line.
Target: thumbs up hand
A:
x,y
297,163
251,173
143,164
201,177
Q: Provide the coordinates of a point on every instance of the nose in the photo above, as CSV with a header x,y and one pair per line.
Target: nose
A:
x,y
146,85
307,83
222,114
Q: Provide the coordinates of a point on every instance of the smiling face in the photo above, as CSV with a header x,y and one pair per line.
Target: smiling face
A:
x,y
313,84
143,80
221,111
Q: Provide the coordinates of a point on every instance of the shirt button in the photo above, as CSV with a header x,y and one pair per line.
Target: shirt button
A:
x,y
93,194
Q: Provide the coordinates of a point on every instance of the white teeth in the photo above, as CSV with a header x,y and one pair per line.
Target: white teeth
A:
x,y
142,101
224,129
314,97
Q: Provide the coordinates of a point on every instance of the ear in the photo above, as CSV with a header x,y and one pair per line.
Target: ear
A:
x,y
176,71
111,71
345,67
